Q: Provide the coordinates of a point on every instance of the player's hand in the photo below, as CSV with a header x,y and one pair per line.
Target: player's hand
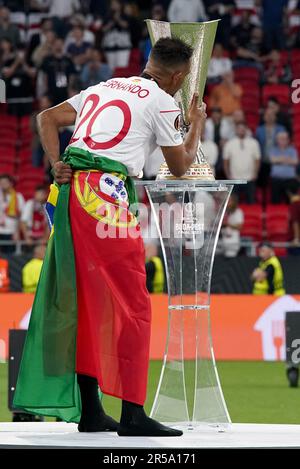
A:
x,y
197,114
62,173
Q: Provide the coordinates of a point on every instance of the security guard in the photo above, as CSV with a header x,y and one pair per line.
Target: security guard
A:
x,y
31,271
154,269
268,277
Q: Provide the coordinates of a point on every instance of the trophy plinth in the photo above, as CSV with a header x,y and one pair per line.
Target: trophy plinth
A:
x,y
200,36
199,171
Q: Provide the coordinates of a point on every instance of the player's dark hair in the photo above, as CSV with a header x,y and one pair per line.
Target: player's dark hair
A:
x,y
171,52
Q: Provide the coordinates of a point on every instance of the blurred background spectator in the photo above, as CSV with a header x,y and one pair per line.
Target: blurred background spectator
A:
x,y
7,29
186,10
116,36
18,74
242,160
154,269
56,73
219,65
266,136
95,70
232,225
32,269
227,95
11,206
34,225
284,159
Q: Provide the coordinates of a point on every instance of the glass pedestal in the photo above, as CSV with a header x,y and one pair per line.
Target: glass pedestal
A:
x,y
188,216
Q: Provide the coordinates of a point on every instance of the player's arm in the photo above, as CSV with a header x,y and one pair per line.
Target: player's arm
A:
x,y
49,123
179,158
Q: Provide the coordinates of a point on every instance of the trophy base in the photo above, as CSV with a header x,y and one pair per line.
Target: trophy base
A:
x,y
196,171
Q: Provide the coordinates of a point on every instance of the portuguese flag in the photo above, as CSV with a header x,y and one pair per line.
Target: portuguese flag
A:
x,y
91,312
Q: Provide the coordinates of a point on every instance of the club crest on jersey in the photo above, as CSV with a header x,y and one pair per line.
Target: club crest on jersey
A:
x,y
177,123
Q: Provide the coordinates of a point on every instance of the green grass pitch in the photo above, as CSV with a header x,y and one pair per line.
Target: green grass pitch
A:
x,y
255,392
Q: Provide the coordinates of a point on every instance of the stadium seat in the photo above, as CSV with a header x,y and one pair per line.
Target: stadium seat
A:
x,y
295,56
277,222
281,92
7,168
246,74
253,222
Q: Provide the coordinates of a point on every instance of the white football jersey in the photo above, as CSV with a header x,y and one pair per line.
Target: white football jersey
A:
x,y
125,119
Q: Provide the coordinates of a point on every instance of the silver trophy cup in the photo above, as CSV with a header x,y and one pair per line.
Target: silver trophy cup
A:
x,y
201,37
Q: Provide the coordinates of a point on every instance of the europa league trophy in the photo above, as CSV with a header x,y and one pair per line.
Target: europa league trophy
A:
x,y
200,36
188,214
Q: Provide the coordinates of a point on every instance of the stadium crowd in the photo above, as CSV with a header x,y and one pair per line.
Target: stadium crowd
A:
x,y
51,49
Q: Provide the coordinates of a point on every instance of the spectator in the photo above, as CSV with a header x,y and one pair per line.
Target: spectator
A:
x,y
217,130
8,30
6,51
4,276
238,117
284,159
251,54
63,9
275,71
223,11
39,38
95,70
282,118
186,11
242,160
79,49
158,14
273,14
57,70
294,218
241,34
116,37
154,269
11,206
227,95
33,219
79,20
32,270
210,151
44,49
131,11
18,74
219,64
232,225
266,136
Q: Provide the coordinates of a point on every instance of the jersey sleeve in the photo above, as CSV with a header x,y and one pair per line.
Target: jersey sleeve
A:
x,y
166,122
75,101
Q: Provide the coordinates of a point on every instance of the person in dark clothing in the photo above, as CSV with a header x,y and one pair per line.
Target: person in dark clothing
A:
x,y
18,73
282,118
241,33
38,38
272,21
58,71
154,269
223,11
